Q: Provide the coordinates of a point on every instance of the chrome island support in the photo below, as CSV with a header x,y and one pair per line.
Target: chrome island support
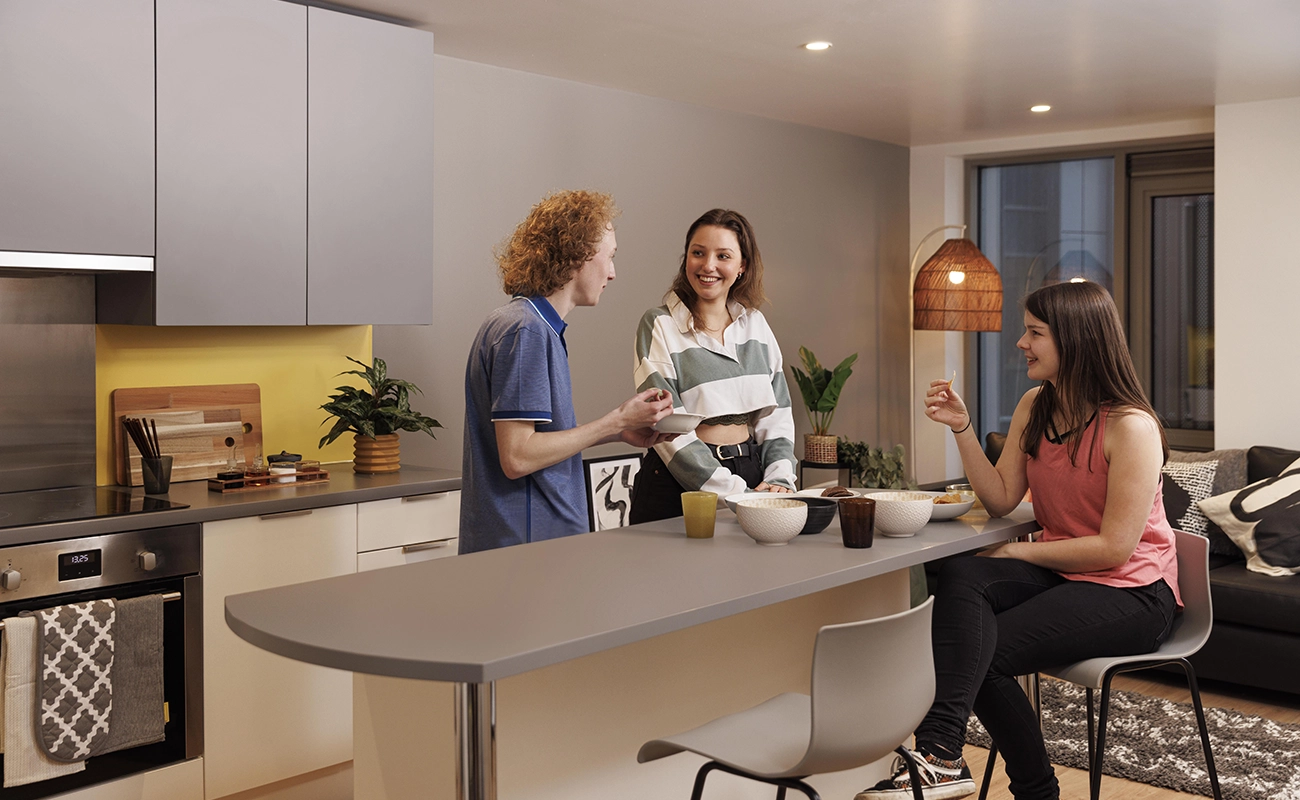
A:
x,y
476,741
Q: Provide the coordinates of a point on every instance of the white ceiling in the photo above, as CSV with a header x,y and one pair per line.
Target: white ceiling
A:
x,y
911,72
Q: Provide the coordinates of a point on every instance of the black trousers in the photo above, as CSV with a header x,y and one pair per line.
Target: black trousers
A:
x,y
996,618
656,494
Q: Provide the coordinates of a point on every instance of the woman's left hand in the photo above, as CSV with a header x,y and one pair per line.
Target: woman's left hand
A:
x,y
775,488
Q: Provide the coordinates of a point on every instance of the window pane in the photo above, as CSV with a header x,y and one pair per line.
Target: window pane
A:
x,y
1038,224
1182,311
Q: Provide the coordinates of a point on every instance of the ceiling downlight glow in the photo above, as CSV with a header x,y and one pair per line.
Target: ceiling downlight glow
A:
x,y
817,46
1039,109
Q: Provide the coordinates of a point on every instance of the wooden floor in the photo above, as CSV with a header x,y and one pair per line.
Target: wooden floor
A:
x,y
1074,783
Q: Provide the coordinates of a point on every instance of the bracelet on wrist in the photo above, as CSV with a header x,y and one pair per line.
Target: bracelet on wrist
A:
x,y
963,430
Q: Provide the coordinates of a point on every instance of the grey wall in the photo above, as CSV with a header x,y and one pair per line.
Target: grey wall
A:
x,y
830,212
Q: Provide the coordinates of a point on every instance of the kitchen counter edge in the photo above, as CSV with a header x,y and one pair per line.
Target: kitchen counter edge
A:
x,y
344,487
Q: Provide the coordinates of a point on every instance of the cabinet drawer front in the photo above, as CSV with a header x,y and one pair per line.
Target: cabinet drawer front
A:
x,y
407,520
397,556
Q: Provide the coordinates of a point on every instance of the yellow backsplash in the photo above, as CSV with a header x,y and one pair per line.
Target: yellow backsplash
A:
x,y
296,368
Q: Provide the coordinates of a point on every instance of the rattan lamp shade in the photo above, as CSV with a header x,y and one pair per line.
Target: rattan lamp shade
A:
x,y
972,304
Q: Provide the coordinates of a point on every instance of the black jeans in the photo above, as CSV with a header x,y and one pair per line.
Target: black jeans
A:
x,y
656,494
996,618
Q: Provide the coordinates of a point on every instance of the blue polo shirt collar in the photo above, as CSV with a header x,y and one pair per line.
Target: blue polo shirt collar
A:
x,y
548,314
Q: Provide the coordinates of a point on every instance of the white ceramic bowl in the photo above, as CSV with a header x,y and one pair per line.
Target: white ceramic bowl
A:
x,y
732,499
771,520
678,422
944,511
900,514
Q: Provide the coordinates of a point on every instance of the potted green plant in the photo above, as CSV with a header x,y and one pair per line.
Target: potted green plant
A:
x,y
872,467
821,389
375,417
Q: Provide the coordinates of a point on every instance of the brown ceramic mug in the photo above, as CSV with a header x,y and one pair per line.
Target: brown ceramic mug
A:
x,y
857,521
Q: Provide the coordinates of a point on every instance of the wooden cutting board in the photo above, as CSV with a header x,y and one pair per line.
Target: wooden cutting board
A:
x,y
193,425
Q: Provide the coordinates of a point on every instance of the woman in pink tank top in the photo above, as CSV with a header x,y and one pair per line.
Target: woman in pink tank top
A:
x,y
1100,580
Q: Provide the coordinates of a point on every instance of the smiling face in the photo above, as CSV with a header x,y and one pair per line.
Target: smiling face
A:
x,y
713,262
590,279
1039,347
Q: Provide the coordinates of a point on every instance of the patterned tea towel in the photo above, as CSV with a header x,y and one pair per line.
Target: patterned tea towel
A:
x,y
24,761
75,679
137,674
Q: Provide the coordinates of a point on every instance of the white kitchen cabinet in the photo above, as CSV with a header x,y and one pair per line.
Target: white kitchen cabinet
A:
x,y
268,718
406,530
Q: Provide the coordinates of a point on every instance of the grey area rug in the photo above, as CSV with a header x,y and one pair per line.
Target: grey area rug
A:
x,y
1156,742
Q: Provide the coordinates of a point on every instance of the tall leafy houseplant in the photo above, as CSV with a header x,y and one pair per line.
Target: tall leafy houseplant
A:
x,y
873,467
821,389
375,417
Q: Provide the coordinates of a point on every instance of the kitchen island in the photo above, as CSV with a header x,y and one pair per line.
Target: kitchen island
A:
x,y
590,644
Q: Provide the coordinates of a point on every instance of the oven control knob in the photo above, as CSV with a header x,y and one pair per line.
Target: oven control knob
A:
x,y
11,579
148,561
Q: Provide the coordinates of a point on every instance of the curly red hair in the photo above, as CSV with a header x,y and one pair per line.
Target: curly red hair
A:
x,y
560,234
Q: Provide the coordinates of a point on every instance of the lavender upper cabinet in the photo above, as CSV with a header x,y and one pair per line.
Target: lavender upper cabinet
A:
x,y
76,126
370,172
232,163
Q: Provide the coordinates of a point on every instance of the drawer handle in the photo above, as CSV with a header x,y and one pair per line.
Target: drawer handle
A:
x,y
415,498
281,514
415,548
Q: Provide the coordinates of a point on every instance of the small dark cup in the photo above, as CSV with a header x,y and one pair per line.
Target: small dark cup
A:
x,y
857,521
157,474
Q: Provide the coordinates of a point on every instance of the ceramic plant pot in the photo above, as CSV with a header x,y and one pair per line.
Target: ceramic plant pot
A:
x,y
376,455
819,449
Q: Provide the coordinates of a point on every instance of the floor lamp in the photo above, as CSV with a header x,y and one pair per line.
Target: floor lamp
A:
x,y
957,289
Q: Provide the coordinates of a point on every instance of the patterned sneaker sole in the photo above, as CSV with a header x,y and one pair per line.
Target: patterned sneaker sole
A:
x,y
944,791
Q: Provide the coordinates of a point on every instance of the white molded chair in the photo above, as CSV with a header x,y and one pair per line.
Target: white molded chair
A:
x,y
872,682
1191,630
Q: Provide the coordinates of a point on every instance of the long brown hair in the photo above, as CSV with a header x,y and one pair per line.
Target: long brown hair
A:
x,y
1095,368
562,232
748,288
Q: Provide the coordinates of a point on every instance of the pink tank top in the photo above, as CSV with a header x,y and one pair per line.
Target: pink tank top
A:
x,y
1069,500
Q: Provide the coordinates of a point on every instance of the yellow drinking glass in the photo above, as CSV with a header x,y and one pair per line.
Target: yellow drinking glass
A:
x,y
700,510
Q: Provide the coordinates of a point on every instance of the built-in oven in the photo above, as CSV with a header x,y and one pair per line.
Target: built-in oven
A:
x,y
161,561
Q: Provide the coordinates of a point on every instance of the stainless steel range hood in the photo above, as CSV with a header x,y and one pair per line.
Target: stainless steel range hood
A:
x,y
83,263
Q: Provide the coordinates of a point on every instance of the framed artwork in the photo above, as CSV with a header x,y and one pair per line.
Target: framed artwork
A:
x,y
609,489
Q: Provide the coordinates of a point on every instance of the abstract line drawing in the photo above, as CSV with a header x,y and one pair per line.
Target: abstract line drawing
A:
x,y
609,490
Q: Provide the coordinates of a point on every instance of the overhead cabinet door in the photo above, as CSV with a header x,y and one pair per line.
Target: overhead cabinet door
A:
x,y
232,163
76,126
370,156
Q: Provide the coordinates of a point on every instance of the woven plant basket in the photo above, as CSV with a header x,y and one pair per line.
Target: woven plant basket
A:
x,y
819,449
378,455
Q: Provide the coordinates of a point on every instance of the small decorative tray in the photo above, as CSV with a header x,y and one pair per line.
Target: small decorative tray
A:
x,y
259,483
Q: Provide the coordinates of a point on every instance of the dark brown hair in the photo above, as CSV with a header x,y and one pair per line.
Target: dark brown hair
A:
x,y
560,234
1095,368
748,288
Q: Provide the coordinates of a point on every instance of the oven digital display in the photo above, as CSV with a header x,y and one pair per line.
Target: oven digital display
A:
x,y
85,564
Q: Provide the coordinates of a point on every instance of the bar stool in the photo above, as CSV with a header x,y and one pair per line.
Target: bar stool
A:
x,y
872,683
1191,630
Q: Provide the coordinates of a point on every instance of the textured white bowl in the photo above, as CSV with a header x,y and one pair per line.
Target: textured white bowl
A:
x,y
944,511
678,422
771,520
732,499
900,514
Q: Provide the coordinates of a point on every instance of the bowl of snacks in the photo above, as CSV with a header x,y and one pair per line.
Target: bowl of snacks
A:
x,y
950,505
900,514
771,520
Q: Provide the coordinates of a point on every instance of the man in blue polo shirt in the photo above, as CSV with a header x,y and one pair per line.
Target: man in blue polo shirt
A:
x,y
522,477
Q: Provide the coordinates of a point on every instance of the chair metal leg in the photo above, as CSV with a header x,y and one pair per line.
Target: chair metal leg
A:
x,y
988,769
708,767
780,793
1092,733
781,783
1094,765
1195,689
912,772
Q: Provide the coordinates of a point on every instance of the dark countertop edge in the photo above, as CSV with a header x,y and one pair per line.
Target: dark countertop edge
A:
x,y
344,488
536,659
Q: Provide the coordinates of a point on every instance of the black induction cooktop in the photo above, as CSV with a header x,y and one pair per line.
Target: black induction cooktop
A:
x,y
78,502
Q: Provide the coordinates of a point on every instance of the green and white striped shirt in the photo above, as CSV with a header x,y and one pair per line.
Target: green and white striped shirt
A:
x,y
743,375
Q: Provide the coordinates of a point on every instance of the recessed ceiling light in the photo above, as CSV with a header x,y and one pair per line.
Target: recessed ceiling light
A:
x,y
817,46
1040,108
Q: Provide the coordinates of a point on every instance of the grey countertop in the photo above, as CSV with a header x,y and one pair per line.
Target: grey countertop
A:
x,y
344,487
485,616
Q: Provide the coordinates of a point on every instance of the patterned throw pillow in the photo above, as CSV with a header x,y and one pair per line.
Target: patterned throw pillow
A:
x,y
1186,484
1263,519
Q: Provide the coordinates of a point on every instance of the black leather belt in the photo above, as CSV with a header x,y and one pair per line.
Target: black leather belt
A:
x,y
726,452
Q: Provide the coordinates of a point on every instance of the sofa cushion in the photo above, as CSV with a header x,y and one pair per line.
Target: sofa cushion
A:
x,y
1231,473
1267,462
1260,601
1185,484
1263,519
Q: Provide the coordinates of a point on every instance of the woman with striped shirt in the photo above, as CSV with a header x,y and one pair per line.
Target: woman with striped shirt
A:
x,y
711,348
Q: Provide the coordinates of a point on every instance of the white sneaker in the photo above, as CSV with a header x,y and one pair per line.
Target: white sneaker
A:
x,y
940,780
